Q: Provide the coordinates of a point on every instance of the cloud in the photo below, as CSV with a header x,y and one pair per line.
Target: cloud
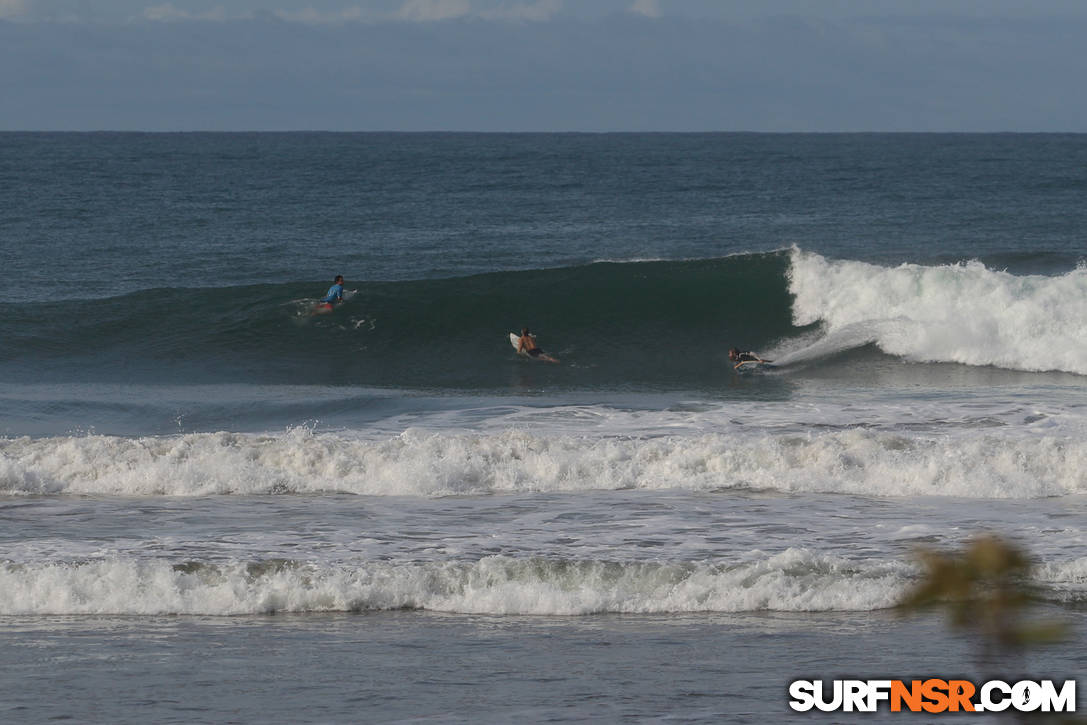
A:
x,y
426,11
539,11
436,10
647,8
167,13
310,16
12,8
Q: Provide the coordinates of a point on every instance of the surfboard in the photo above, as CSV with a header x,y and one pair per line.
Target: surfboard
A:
x,y
324,308
752,365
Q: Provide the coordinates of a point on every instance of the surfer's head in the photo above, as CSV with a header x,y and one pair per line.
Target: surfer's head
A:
x,y
733,353
524,331
339,279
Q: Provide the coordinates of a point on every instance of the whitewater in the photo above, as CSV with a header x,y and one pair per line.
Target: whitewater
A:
x,y
963,313
893,387
215,506
980,458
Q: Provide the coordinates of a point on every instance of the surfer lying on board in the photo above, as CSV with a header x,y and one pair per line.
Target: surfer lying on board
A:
x,y
527,345
744,357
334,296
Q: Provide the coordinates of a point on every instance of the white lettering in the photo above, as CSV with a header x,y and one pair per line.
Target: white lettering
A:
x,y
803,694
854,695
995,705
993,696
1064,701
1026,696
834,703
878,690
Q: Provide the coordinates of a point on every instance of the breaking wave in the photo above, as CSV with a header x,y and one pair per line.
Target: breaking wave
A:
x,y
793,580
639,324
962,313
973,463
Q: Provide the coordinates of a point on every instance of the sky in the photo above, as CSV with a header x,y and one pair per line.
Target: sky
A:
x,y
543,65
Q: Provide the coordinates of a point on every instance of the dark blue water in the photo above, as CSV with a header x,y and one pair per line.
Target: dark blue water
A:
x,y
95,215
641,257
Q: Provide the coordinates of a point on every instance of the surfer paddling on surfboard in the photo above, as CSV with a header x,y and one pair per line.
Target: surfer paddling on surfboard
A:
x,y
334,297
526,345
743,358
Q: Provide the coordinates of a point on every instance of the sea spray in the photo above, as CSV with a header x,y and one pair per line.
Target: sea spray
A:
x,y
963,313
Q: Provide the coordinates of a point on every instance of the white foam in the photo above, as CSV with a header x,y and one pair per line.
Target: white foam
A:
x,y
964,313
972,462
1068,579
792,580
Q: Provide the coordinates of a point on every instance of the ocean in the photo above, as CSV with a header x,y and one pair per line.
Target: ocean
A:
x,y
216,506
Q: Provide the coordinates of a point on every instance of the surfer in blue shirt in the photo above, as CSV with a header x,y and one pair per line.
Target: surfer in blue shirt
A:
x,y
334,296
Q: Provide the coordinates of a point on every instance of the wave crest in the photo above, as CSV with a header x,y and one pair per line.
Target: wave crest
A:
x,y
979,463
793,580
964,313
